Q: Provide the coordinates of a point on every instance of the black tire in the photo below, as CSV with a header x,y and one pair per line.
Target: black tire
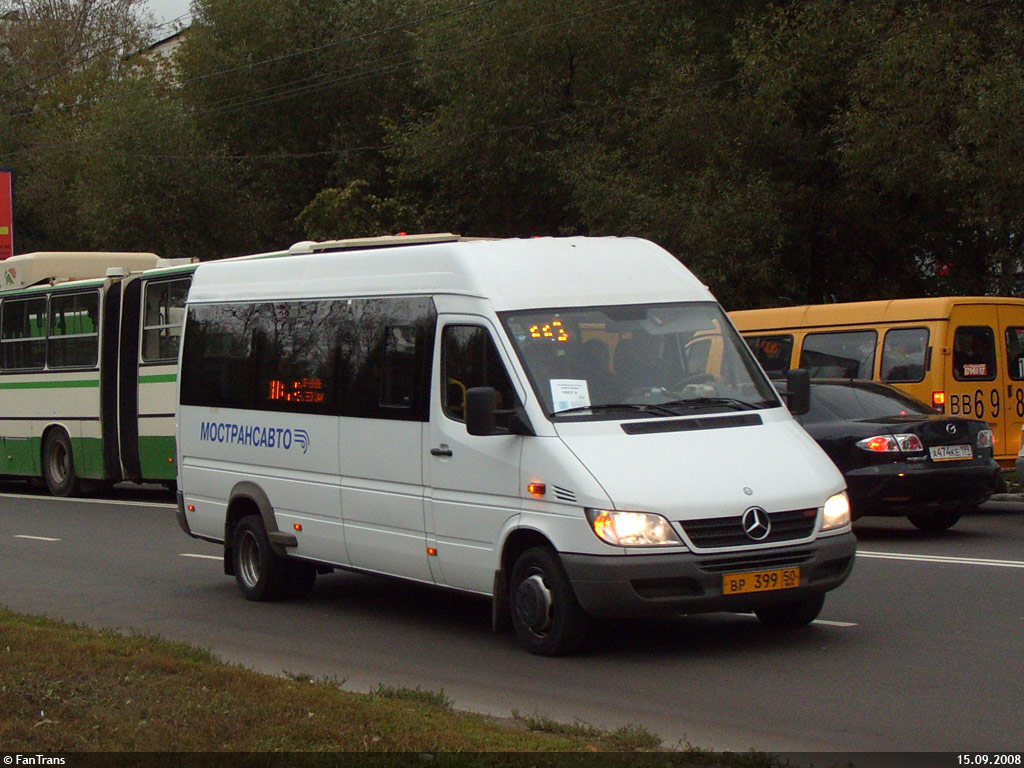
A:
x,y
791,615
934,523
260,573
546,615
59,464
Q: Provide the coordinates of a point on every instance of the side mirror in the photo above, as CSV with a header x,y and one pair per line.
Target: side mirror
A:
x,y
482,415
481,404
798,384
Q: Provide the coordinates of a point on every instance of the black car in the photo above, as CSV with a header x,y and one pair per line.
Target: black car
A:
x,y
899,456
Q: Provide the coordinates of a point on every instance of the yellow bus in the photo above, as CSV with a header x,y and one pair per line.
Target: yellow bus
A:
x,y
964,354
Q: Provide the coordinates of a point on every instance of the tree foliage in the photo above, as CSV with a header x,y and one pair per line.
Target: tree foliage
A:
x,y
796,151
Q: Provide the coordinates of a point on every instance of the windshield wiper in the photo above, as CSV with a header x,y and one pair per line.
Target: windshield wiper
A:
x,y
641,407
700,402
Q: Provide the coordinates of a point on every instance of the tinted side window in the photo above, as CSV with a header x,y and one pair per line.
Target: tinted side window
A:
x,y
470,359
1015,352
904,354
23,333
772,352
343,357
974,353
74,332
843,355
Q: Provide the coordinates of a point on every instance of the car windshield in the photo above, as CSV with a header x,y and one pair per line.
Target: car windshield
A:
x,y
837,402
633,360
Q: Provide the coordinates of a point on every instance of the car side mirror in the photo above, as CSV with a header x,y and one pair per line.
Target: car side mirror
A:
x,y
482,415
798,386
481,404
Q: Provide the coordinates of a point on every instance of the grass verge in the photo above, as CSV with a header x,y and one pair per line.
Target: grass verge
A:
x,y
67,688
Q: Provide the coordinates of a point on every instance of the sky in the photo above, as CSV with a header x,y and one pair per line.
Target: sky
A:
x,y
166,10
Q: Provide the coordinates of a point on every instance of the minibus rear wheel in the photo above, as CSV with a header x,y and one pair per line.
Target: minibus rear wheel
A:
x,y
261,574
546,615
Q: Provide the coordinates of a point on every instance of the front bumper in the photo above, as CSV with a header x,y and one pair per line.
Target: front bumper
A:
x,y
680,583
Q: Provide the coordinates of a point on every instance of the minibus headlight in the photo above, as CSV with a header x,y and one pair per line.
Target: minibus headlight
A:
x,y
632,529
836,513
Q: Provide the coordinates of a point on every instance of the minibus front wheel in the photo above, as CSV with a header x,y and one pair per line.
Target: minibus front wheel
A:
x,y
546,615
261,574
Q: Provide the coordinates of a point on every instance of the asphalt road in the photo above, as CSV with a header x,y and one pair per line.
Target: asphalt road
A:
x,y
919,651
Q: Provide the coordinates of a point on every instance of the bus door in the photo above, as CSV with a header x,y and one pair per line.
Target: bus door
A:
x,y
1011,326
974,384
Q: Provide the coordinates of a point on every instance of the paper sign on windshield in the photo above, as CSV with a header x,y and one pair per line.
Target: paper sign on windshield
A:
x,y
569,393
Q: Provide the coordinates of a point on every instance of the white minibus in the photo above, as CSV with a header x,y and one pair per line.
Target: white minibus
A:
x,y
571,427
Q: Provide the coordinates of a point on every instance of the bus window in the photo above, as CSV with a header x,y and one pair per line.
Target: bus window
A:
x,y
772,352
74,340
1015,352
164,317
974,353
23,334
842,355
903,355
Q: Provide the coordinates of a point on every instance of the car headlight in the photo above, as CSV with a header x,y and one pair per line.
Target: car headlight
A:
x,y
632,529
836,513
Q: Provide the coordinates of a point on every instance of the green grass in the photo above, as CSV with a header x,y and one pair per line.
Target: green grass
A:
x,y
67,688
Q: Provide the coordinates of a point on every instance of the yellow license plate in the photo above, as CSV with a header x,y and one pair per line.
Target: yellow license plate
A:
x,y
760,581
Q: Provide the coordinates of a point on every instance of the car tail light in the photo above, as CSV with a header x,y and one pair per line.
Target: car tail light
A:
x,y
986,439
891,444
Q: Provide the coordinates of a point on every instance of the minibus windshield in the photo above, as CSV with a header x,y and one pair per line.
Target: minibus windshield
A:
x,y
618,362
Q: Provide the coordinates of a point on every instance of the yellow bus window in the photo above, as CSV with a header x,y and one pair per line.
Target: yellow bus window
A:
x,y
974,353
903,355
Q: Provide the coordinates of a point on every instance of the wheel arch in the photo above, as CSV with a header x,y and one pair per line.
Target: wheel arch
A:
x,y
247,498
518,541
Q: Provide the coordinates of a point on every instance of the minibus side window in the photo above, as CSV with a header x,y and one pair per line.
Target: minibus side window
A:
x,y
1015,352
903,355
974,353
772,352
469,359
843,355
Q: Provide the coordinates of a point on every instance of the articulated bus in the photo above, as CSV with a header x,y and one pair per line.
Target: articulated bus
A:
x,y
88,367
963,355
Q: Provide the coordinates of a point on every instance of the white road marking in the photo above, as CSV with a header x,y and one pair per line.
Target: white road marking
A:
x,y
202,557
828,623
34,538
942,559
79,500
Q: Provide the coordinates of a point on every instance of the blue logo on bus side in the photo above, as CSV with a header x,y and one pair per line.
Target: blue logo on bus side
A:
x,y
253,436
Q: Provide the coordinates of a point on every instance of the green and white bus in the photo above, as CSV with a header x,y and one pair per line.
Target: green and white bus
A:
x,y
88,367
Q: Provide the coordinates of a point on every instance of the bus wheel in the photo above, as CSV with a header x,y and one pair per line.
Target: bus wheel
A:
x,y
59,464
260,573
934,522
546,615
791,615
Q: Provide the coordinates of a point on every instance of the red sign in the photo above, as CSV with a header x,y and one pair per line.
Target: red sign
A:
x,y
6,214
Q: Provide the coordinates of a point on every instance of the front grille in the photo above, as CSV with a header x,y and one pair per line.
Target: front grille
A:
x,y
718,532
756,561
